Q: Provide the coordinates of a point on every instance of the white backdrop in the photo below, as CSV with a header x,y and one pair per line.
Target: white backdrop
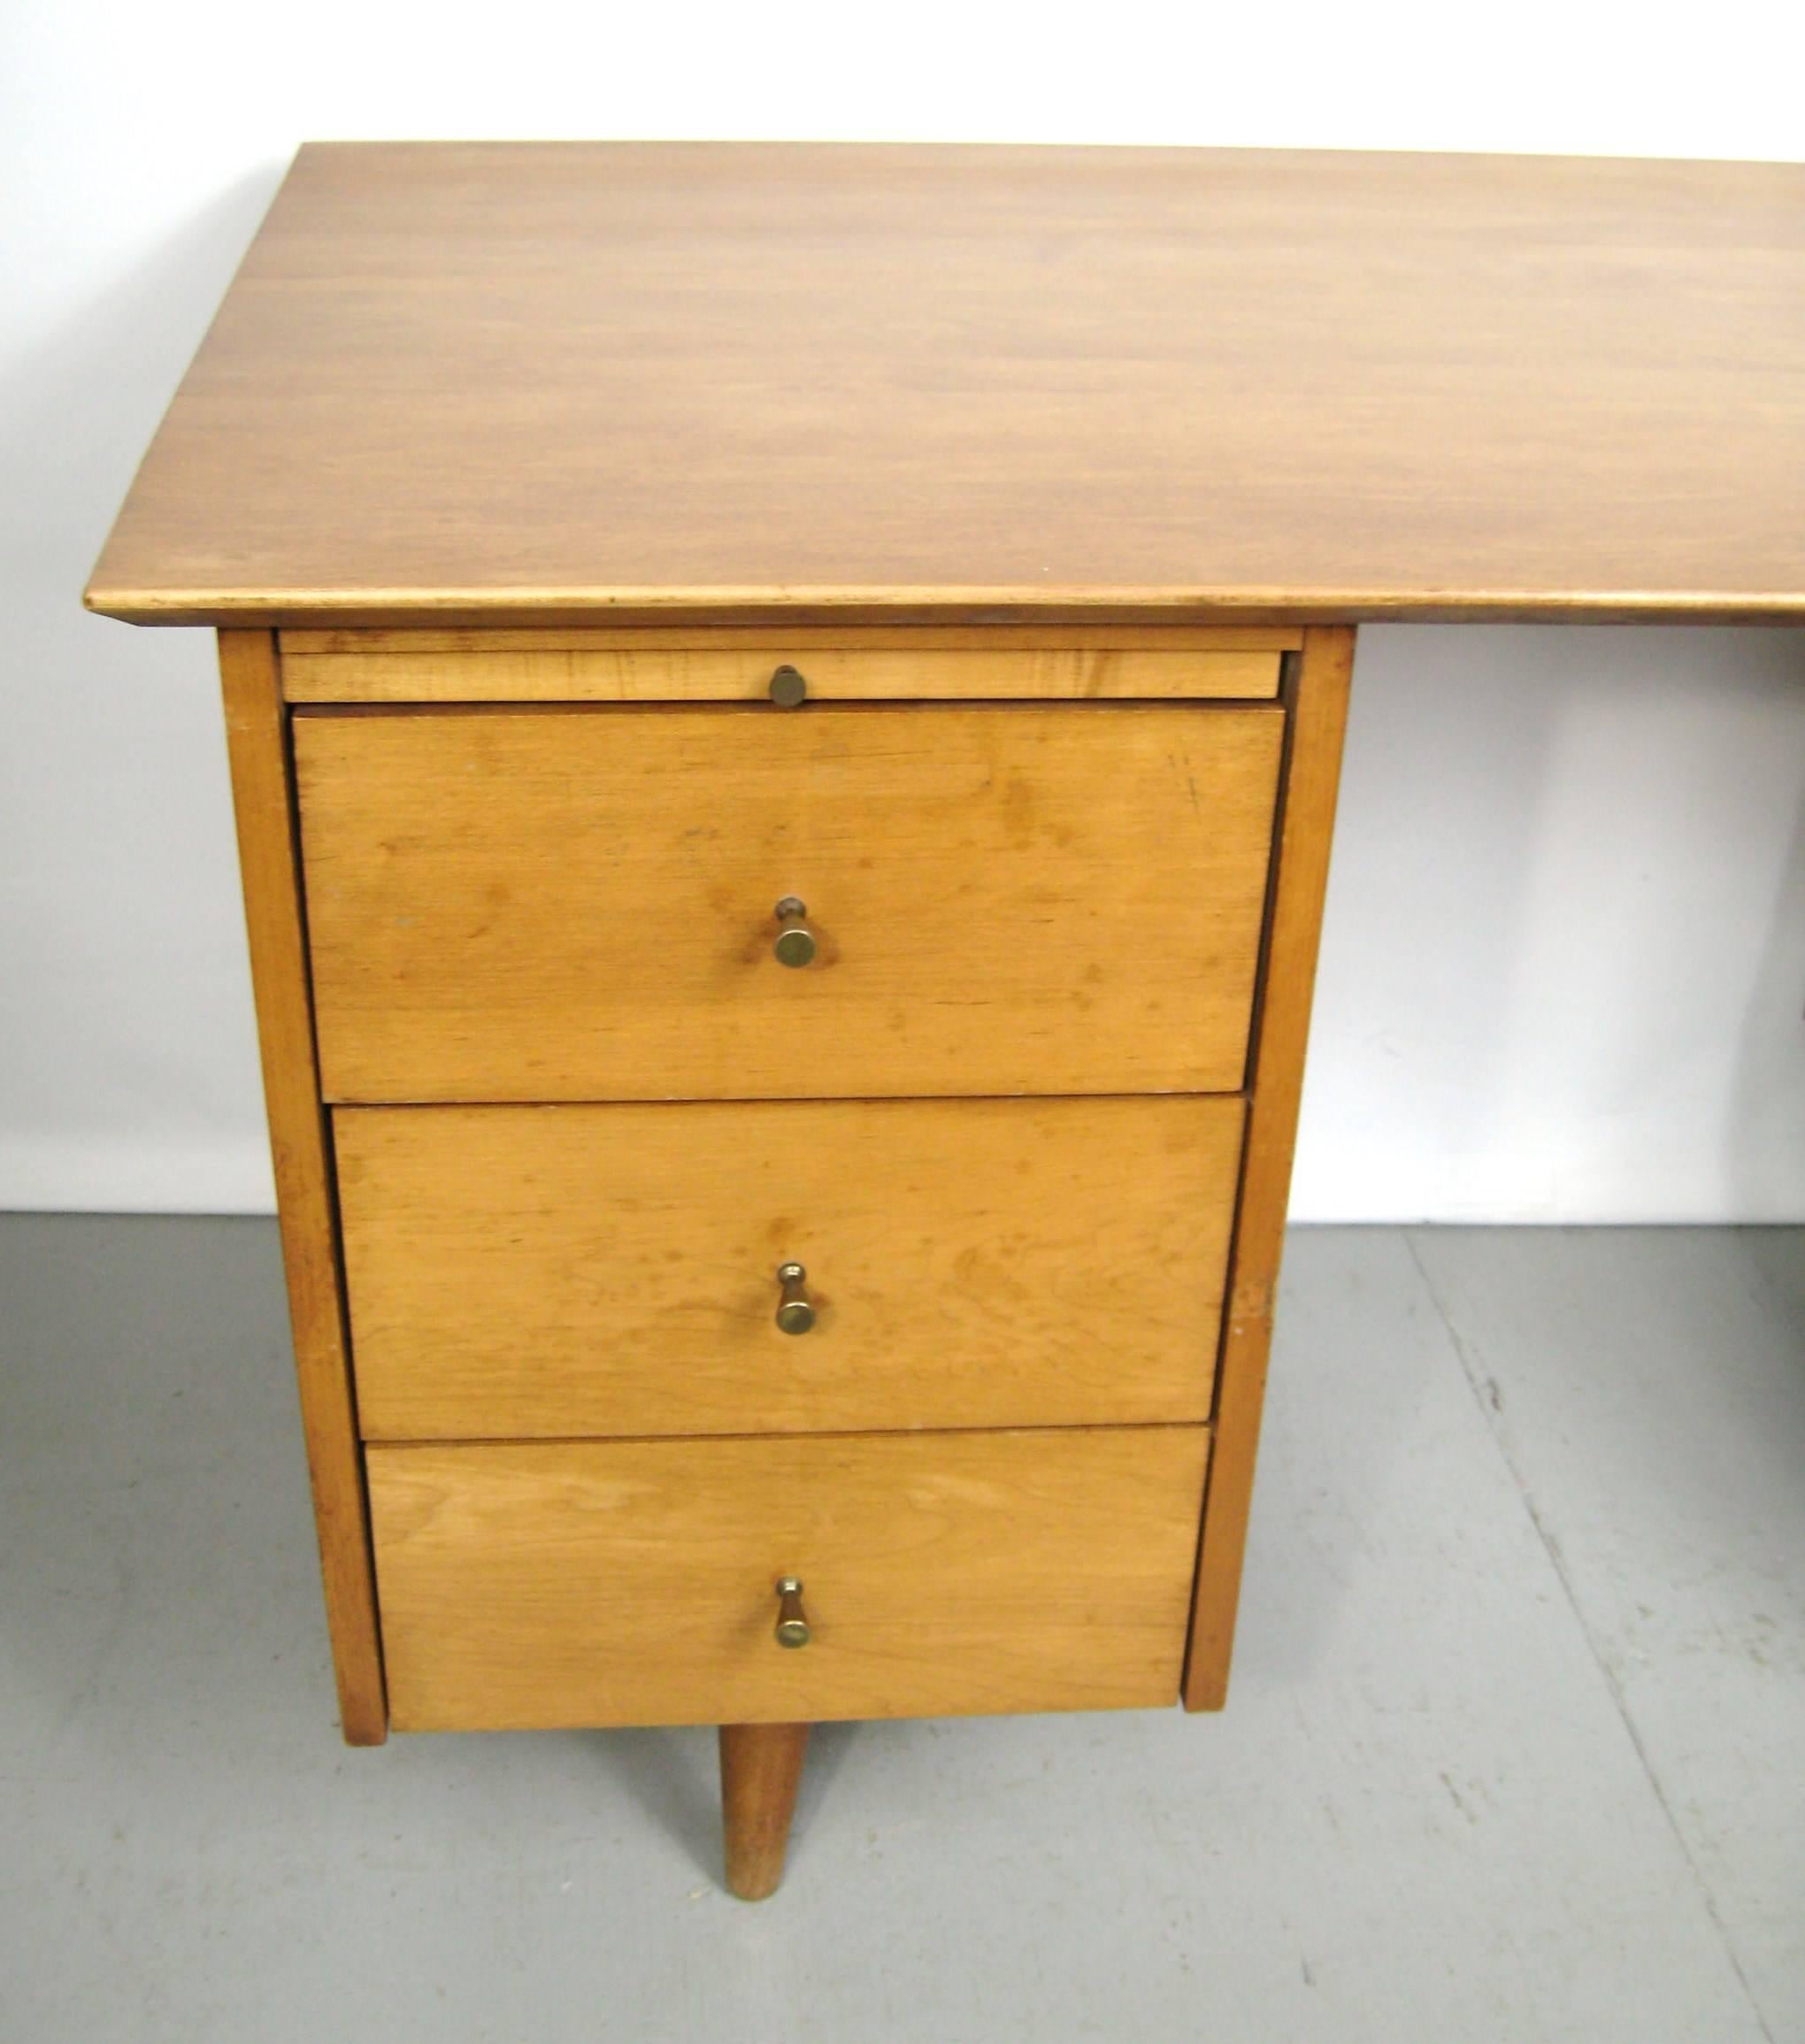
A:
x,y
1564,964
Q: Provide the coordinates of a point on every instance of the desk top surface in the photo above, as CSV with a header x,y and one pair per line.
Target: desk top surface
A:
x,y
491,383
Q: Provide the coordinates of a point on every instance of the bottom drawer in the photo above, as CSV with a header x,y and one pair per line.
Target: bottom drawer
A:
x,y
634,1582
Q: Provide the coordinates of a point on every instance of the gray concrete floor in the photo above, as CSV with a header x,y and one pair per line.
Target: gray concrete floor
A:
x,y
1515,1747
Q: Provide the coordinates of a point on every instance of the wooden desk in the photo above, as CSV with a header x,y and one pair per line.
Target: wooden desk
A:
x,y
784,706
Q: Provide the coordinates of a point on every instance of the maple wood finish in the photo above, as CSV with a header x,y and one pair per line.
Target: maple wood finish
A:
x,y
1319,707
560,380
512,475
761,1771
613,1270
1105,664
634,1582
578,904
299,1145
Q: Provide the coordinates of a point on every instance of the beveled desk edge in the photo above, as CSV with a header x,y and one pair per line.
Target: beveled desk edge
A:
x,y
1228,605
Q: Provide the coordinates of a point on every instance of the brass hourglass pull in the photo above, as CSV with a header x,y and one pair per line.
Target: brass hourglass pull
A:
x,y
795,1310
795,941
792,1619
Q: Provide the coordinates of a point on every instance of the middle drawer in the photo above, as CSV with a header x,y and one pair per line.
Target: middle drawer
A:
x,y
558,1270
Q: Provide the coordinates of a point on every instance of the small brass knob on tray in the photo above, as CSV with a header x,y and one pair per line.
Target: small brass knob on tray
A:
x,y
788,688
795,1310
792,1619
795,941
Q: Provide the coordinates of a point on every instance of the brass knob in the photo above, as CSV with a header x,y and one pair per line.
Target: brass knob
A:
x,y
792,1619
787,689
796,1314
795,941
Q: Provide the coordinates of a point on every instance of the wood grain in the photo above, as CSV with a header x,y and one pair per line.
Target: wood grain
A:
x,y
634,1583
262,798
553,1270
567,904
795,639
1318,710
542,383
761,1771
930,669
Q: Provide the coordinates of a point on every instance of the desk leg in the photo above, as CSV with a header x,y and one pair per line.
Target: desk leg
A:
x,y
761,1765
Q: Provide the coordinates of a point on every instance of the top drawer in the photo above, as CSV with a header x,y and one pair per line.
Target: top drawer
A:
x,y
1002,664
580,903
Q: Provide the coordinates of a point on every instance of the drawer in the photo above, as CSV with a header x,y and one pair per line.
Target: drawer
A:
x,y
634,1583
581,1270
872,666
546,904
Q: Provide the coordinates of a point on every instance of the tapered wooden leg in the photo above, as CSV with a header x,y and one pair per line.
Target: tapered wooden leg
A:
x,y
761,1765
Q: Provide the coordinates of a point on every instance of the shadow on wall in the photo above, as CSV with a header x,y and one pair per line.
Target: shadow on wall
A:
x,y
128,1064
1764,1133
1447,767
1640,1019
1565,953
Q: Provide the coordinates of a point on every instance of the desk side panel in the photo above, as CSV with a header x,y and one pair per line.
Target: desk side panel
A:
x,y
262,797
1315,697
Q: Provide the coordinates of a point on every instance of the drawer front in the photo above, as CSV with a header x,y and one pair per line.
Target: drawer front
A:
x,y
634,1583
872,666
559,1270
508,905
